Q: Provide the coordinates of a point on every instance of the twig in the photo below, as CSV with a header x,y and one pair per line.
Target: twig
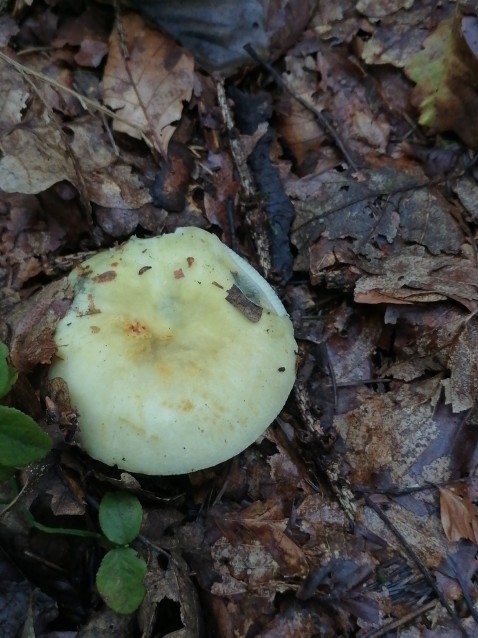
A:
x,y
84,200
86,103
414,557
236,148
323,121
400,622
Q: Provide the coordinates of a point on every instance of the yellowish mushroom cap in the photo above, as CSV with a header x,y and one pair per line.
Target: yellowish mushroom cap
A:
x,y
176,352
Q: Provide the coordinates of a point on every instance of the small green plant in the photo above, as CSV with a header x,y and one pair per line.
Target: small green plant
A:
x,y
22,441
120,576
121,573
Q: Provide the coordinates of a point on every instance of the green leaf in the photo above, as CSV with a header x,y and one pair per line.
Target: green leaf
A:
x,y
120,580
8,375
6,472
120,517
22,441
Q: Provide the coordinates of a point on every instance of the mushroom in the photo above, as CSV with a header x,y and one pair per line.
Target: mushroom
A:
x,y
176,352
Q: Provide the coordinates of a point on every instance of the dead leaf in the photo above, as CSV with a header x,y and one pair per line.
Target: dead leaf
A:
x,y
299,126
414,276
34,324
89,32
461,389
170,590
243,304
399,35
149,87
445,74
13,98
8,28
459,515
42,154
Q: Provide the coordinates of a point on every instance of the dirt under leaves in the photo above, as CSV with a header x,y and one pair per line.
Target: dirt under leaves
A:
x,y
339,157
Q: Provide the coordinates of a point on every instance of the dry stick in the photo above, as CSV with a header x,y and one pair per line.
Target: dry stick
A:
x,y
323,121
86,103
400,622
423,569
235,145
84,200
247,183
365,197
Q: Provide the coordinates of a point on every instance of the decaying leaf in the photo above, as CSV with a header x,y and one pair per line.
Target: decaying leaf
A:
x,y
461,389
298,125
171,589
414,276
445,73
13,98
148,87
246,306
34,323
375,214
459,515
437,339
42,154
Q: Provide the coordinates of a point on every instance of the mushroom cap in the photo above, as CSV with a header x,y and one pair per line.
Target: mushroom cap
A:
x,y
176,352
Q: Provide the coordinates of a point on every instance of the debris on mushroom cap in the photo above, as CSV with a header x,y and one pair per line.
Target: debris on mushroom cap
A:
x,y
176,352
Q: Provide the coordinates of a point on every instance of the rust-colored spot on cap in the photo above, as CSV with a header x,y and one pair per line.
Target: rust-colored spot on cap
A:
x,y
178,274
92,309
109,275
186,405
190,261
95,329
136,328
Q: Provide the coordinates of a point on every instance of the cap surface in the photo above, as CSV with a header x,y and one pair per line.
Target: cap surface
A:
x,y
176,352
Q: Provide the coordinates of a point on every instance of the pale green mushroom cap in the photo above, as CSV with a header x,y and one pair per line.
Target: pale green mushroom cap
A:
x,y
167,374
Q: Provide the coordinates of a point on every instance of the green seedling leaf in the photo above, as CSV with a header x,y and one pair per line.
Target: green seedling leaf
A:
x,y
120,580
8,375
22,441
120,517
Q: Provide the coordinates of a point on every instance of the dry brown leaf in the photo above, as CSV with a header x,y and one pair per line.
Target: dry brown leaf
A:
x,y
399,35
377,208
461,389
421,528
35,158
441,339
445,73
8,28
89,32
42,154
34,324
415,276
398,438
13,97
358,118
164,586
149,87
459,515
298,125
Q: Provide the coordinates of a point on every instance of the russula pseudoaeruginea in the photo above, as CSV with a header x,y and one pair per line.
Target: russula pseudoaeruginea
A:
x,y
176,352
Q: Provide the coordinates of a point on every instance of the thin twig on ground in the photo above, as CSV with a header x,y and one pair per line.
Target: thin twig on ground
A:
x,y
320,117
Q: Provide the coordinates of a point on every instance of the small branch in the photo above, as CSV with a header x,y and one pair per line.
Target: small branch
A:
x,y
236,148
416,560
86,103
401,622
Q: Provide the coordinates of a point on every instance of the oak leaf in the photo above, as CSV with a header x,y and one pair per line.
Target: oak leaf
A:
x,y
149,87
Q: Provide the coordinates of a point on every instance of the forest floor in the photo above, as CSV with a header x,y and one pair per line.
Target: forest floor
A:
x,y
338,156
